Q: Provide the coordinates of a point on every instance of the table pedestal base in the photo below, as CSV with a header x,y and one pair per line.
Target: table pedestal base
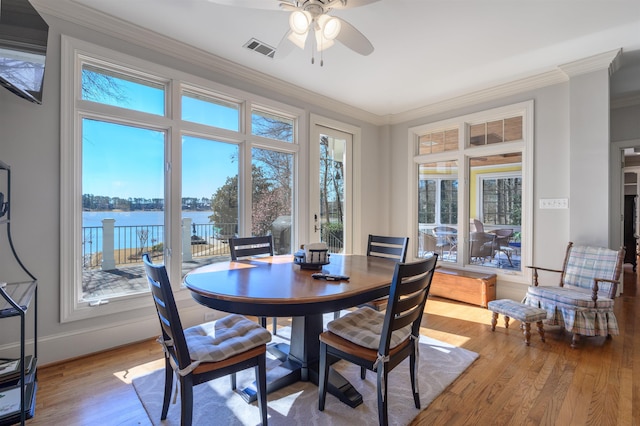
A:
x,y
299,362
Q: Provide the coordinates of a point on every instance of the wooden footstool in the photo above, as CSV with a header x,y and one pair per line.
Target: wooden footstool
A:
x,y
524,313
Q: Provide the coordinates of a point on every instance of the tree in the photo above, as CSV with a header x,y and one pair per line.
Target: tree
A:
x,y
272,127
224,203
271,180
331,183
267,209
270,199
101,87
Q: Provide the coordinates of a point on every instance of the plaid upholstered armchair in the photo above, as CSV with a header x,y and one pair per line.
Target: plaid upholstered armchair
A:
x,y
583,302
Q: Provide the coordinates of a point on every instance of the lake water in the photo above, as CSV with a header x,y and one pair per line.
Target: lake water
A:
x,y
135,218
138,218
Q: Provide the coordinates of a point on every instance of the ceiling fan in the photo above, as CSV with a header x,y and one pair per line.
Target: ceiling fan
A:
x,y
311,18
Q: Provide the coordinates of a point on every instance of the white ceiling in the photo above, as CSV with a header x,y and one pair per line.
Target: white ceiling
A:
x,y
426,51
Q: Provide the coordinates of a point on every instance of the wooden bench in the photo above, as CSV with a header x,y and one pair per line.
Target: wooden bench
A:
x,y
477,288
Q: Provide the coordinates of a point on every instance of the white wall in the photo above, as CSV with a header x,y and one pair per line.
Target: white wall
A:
x,y
625,121
589,164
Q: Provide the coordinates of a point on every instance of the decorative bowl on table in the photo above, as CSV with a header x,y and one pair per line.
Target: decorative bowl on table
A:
x,y
312,256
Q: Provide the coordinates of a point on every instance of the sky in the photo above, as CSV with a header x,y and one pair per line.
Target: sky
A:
x,y
139,173
127,162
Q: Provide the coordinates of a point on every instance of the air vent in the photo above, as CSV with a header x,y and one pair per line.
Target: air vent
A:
x,y
260,47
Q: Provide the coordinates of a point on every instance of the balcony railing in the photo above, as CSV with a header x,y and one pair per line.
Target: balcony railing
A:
x,y
109,245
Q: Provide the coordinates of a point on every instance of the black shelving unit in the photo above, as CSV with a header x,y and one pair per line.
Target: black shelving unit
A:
x,y
17,299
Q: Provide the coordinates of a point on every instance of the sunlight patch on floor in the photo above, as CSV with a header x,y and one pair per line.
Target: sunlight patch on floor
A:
x,y
126,376
470,313
452,339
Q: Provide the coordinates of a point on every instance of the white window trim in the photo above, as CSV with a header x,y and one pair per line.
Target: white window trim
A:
x,y
526,146
71,111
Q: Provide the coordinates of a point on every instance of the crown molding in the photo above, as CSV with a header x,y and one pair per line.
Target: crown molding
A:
x,y
607,60
517,86
626,100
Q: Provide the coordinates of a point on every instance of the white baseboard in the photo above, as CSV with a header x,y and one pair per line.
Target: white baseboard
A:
x,y
77,343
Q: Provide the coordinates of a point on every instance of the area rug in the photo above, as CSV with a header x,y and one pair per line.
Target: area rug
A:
x,y
216,404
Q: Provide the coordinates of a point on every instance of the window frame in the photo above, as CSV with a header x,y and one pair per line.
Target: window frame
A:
x,y
74,53
465,152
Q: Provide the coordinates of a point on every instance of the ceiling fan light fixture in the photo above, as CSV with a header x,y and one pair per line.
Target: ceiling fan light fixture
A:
x,y
298,39
322,43
299,21
330,27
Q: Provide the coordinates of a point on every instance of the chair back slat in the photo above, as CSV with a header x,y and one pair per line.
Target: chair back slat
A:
x,y
388,247
407,297
167,311
408,302
408,306
584,263
250,246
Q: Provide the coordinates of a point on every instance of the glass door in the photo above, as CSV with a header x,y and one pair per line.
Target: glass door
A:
x,y
330,191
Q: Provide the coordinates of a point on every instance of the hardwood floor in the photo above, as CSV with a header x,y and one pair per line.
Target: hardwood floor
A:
x,y
510,383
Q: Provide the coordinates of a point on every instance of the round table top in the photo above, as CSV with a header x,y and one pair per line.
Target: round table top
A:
x,y
275,286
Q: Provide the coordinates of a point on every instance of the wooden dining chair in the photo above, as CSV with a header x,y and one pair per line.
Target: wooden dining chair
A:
x,y
379,341
207,351
253,246
394,248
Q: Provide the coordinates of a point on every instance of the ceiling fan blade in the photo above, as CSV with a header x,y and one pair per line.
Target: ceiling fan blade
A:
x,y
287,6
252,4
354,39
351,3
285,46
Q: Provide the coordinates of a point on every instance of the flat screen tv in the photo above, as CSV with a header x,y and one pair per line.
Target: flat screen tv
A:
x,y
23,48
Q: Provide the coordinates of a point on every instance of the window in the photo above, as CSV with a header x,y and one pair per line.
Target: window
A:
x,y
142,173
126,91
438,193
210,189
501,200
203,109
271,125
272,197
491,206
438,141
497,131
427,201
114,215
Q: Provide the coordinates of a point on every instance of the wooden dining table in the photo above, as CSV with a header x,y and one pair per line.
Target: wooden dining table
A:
x,y
277,287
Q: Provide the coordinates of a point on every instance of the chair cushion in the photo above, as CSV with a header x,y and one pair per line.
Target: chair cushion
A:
x,y
569,296
224,338
515,310
364,326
